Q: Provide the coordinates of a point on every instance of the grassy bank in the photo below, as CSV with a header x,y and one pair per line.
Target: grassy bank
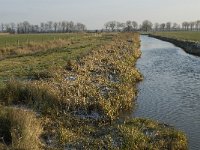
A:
x,y
189,36
188,41
74,97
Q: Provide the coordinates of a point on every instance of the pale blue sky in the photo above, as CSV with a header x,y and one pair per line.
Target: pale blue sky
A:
x,y
94,13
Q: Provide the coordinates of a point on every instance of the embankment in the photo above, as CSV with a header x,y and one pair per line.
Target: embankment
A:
x,y
190,47
80,104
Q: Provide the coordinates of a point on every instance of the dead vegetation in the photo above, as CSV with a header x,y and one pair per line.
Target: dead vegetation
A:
x,y
79,104
32,47
19,129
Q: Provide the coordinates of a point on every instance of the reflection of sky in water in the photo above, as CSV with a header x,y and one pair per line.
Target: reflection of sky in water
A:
x,y
170,91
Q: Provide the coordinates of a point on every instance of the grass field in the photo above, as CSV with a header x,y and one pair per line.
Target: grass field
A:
x,y
17,45
191,36
71,97
24,39
29,65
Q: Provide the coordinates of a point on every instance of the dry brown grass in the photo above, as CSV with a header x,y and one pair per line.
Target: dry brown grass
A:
x,y
23,129
81,102
4,33
104,84
33,47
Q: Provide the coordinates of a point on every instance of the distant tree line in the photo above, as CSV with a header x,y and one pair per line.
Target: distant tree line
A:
x,y
118,26
111,26
147,26
44,27
185,26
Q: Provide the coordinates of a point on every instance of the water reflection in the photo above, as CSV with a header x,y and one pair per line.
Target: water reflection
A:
x,y
170,91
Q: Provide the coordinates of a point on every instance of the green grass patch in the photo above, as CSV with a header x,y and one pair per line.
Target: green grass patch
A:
x,y
24,39
190,36
26,66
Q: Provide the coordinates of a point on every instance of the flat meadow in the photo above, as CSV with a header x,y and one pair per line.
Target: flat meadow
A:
x,y
32,62
181,35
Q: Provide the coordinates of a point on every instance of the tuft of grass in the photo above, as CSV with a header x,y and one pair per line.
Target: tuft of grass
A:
x,y
33,96
20,129
147,134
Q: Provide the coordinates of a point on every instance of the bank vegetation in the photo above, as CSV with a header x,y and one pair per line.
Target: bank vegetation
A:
x,y
80,102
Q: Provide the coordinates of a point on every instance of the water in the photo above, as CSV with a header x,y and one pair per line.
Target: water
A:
x,y
170,91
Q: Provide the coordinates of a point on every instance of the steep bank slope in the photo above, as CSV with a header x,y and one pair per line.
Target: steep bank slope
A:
x,y
190,47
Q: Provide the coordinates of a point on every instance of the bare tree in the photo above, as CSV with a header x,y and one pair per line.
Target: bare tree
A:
x,y
135,25
84,27
80,27
192,24
198,25
50,25
147,25
35,28
59,27
186,24
107,25
128,23
156,26
162,26
67,26
63,24
2,27
12,25
19,28
7,26
175,26
168,26
71,26
120,26
26,25
128,26
42,26
46,27
113,25
55,25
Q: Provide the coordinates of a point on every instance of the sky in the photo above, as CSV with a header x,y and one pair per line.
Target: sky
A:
x,y
95,13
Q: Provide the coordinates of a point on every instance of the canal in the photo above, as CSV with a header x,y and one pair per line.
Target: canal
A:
x,y
170,92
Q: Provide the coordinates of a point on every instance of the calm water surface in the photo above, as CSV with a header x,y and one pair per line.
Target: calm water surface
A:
x,y
170,91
